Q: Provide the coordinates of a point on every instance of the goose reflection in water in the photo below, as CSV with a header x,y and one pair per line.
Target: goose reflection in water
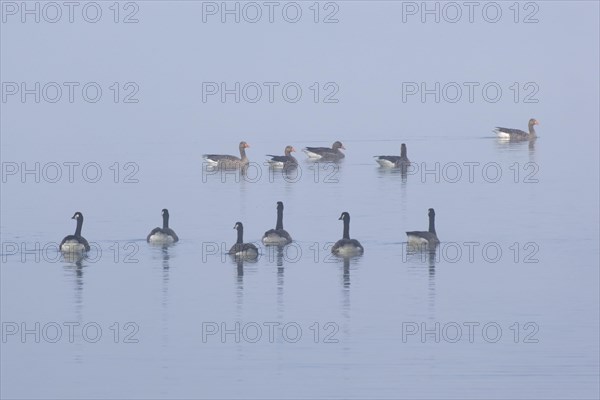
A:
x,y
241,264
276,254
165,257
346,273
74,272
165,272
403,171
240,261
75,258
347,262
424,254
504,144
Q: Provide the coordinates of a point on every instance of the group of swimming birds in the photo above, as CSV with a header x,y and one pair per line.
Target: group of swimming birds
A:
x,y
334,152
346,246
279,236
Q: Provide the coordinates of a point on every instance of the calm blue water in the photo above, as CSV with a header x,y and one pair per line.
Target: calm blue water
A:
x,y
507,307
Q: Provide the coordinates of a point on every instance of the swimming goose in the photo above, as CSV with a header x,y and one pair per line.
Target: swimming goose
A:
x,y
277,236
429,238
227,161
394,161
326,153
287,161
517,134
164,235
75,243
346,246
241,249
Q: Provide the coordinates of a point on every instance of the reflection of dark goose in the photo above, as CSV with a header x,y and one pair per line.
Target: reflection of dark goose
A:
x,y
346,278
75,243
517,134
277,236
346,246
74,257
241,249
164,235
227,161
429,238
394,161
326,153
286,161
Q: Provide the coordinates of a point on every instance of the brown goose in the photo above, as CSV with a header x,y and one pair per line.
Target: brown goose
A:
x,y
394,161
227,161
285,161
326,153
517,134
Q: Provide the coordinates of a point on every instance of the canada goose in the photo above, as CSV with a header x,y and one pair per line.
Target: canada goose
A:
x,y
277,236
394,161
429,237
241,249
75,243
164,235
346,246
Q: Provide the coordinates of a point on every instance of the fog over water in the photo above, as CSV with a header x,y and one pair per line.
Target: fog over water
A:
x,y
111,113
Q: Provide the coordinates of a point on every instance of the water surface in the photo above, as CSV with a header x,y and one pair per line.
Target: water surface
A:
x,y
509,303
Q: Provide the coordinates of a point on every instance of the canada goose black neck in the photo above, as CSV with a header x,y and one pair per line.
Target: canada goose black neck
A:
x,y
79,217
346,218
403,151
240,232
431,220
279,224
165,215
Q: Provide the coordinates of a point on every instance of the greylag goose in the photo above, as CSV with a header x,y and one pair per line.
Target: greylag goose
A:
x,y
75,243
286,161
164,235
227,161
394,161
429,238
277,236
346,246
241,249
326,153
517,134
